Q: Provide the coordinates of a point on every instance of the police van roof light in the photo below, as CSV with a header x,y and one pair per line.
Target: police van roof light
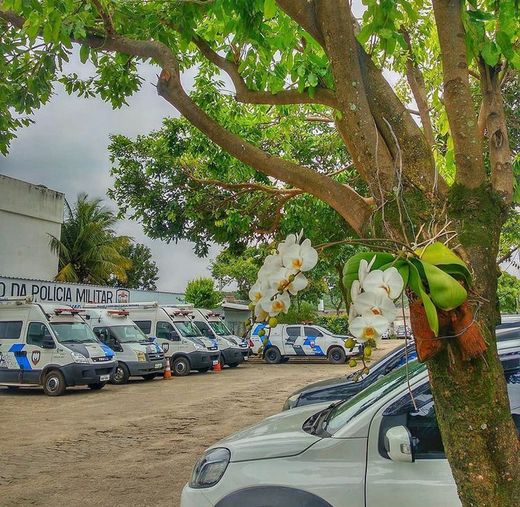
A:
x,y
72,311
120,313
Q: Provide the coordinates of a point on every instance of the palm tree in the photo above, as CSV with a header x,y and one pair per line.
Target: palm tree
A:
x,y
89,250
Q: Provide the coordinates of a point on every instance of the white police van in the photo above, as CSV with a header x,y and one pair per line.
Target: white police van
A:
x,y
136,355
50,345
288,340
233,350
180,341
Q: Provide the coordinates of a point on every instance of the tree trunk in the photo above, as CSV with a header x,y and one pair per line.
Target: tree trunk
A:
x,y
471,401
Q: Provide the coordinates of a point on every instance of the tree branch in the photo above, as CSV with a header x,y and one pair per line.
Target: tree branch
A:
x,y
105,16
457,94
506,256
245,94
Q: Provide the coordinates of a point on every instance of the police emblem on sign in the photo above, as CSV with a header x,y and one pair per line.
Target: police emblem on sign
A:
x,y
35,357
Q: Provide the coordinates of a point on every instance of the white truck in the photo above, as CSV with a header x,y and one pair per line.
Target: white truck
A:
x,y
233,350
180,341
50,345
288,340
136,355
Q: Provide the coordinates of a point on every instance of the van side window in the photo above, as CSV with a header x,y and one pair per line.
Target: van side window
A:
x,y
293,331
144,325
312,332
10,330
164,330
36,333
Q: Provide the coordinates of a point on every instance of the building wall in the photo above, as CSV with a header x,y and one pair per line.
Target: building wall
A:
x,y
28,214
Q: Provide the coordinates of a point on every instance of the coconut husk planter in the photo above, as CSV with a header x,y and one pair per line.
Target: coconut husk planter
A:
x,y
427,344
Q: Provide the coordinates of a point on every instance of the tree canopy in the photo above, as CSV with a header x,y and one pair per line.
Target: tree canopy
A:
x,y
202,294
143,274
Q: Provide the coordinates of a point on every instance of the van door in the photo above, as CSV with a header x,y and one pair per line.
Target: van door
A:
x,y
314,343
292,341
10,338
168,337
428,481
38,352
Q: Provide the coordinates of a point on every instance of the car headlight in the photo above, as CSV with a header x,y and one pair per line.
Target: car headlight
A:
x,y
199,347
78,358
210,468
291,402
141,356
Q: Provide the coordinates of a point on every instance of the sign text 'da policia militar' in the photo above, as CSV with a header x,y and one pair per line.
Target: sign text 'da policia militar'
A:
x,y
43,291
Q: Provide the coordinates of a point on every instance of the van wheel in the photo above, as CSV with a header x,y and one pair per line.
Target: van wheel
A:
x,y
336,355
54,383
97,386
181,367
120,375
150,376
272,355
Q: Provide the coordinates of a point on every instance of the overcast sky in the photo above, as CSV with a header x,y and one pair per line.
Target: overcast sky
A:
x,y
66,150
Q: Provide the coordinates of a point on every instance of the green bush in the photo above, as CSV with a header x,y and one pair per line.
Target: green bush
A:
x,y
304,312
337,324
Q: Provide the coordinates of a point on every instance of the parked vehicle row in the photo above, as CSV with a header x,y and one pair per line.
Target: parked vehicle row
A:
x,y
382,446
58,346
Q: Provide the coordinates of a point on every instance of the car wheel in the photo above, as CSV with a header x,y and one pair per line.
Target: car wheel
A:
x,y
97,386
120,375
149,376
272,355
336,355
203,370
54,383
181,367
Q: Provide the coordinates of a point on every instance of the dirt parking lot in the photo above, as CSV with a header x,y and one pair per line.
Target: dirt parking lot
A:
x,y
134,445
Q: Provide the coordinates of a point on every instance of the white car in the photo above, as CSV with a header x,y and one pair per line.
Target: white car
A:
x,y
375,449
288,340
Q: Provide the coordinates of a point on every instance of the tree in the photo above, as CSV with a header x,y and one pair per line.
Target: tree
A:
x,y
143,273
89,250
202,294
508,293
451,179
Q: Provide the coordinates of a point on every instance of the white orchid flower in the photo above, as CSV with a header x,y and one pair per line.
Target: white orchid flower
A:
x,y
368,327
260,314
364,269
352,312
280,303
376,303
355,290
271,264
300,257
288,242
256,292
280,280
388,282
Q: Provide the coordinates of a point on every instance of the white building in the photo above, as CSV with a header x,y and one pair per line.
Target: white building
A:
x,y
28,215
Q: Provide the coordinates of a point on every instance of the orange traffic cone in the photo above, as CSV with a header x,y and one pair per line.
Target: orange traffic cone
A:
x,y
167,370
217,367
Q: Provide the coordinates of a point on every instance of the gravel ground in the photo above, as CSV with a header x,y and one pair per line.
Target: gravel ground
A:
x,y
134,445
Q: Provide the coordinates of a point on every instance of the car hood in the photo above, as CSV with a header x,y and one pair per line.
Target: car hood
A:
x,y
277,436
91,349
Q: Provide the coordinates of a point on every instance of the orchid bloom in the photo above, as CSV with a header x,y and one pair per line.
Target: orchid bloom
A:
x,y
280,280
364,269
271,264
368,327
388,282
300,257
355,290
256,292
260,314
273,306
287,243
376,303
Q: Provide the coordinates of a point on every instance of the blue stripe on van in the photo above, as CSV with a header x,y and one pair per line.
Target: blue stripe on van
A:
x,y
22,361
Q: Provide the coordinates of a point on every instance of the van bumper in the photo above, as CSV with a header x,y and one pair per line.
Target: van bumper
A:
x,y
232,355
200,360
77,374
140,368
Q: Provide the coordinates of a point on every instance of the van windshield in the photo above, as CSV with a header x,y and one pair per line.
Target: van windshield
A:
x,y
347,410
204,329
187,329
220,328
74,332
129,334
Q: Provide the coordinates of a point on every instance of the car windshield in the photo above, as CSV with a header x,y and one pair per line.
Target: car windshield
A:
x,y
220,328
394,356
74,332
187,329
129,334
344,412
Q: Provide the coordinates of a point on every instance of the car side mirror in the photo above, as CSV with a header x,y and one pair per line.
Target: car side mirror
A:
x,y
48,343
399,444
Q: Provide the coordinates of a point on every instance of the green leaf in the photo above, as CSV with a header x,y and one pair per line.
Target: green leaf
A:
x,y
269,9
417,286
312,79
446,292
350,271
490,53
438,253
83,53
